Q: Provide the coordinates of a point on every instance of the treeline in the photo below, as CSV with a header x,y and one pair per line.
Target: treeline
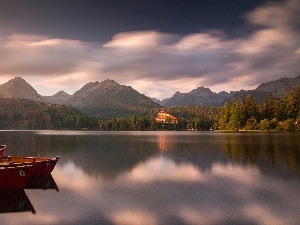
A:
x,y
274,114
279,114
26,114
189,118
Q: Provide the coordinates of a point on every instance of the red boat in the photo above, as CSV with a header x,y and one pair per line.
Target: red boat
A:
x,y
41,165
14,176
2,147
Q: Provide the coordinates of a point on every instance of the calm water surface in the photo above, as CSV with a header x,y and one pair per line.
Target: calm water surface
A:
x,y
162,177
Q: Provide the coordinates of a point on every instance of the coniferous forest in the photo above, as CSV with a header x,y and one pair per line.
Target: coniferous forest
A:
x,y
279,114
273,114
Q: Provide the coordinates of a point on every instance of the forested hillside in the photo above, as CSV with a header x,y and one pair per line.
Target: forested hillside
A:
x,y
282,114
189,118
27,114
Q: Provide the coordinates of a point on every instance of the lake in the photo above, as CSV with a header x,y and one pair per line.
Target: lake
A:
x,y
161,177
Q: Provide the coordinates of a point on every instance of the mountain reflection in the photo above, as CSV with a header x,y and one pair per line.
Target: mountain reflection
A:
x,y
111,156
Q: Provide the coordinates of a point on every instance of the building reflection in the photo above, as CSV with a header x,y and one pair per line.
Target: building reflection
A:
x,y
166,142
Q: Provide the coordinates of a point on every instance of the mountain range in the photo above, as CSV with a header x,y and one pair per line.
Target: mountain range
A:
x,y
108,99
205,97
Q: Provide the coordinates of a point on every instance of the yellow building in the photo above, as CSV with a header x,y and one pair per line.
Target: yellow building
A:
x,y
164,117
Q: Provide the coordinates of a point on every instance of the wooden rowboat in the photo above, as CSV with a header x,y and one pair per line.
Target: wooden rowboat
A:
x,y
41,165
14,176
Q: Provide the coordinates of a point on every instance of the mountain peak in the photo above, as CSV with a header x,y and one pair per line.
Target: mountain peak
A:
x,y
109,82
17,80
202,91
18,88
61,94
86,88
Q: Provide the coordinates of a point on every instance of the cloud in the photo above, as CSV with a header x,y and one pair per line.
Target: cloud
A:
x,y
32,55
165,62
139,39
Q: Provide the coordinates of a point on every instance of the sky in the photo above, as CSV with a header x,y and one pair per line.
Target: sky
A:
x,y
157,47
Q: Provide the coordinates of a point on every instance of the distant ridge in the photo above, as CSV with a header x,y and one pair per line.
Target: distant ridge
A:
x,y
279,87
200,96
60,97
205,97
108,99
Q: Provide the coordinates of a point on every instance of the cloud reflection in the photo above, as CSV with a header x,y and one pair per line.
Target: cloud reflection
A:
x,y
160,191
163,169
74,178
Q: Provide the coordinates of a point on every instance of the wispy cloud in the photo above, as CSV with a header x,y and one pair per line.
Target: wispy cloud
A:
x,y
165,62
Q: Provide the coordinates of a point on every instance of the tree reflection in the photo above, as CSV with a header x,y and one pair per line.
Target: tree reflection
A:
x,y
279,150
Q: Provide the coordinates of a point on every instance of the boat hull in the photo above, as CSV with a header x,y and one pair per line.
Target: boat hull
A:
x,y
14,177
41,165
45,166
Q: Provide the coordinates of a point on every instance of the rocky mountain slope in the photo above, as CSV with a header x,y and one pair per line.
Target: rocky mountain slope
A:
x,y
107,99
205,97
18,88
279,87
200,96
110,99
60,97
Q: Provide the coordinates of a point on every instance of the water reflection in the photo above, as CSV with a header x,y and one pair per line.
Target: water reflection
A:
x,y
166,143
41,181
167,178
160,191
15,201
277,150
